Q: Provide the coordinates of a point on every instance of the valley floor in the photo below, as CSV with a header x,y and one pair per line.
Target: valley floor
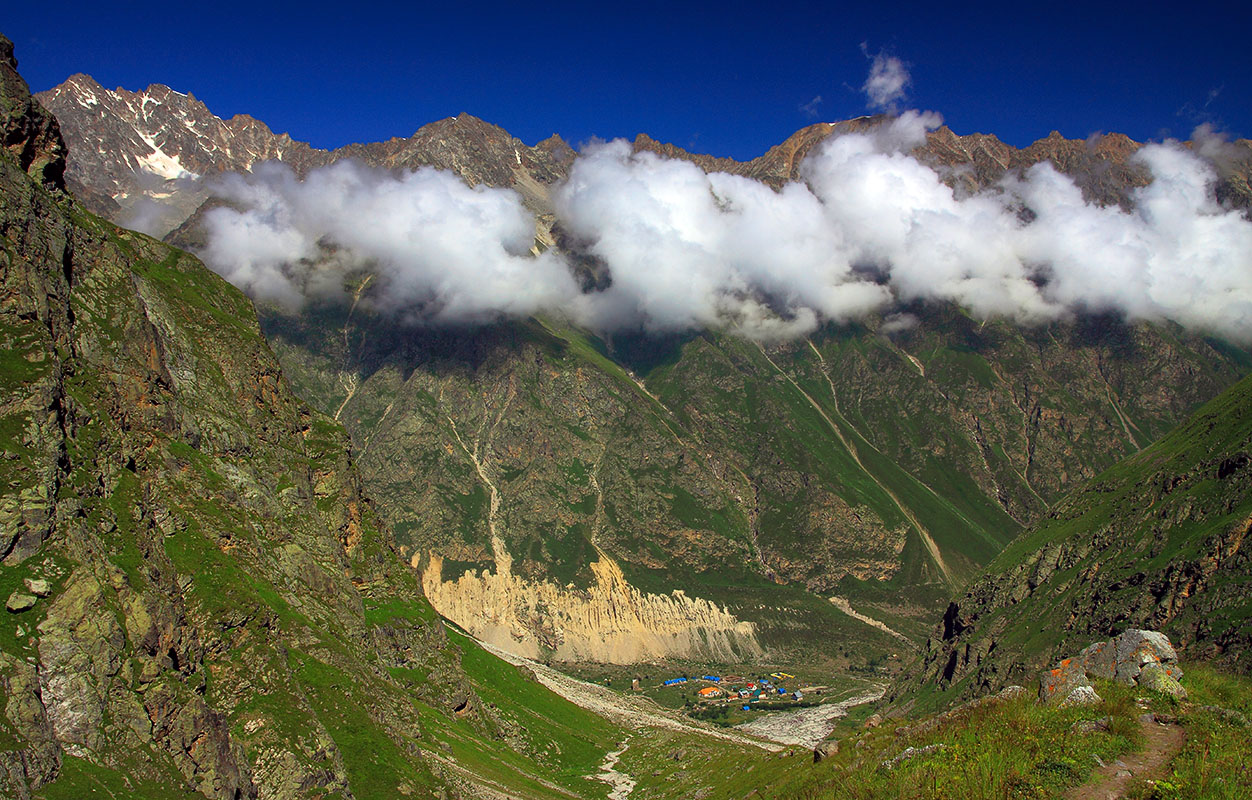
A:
x,y
631,712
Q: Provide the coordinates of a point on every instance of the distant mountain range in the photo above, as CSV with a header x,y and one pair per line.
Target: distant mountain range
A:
x,y
130,146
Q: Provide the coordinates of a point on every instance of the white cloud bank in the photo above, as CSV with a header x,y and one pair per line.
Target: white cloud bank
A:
x,y
444,252
868,227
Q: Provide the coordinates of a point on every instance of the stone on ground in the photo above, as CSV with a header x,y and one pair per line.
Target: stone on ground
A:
x,y
1081,696
1158,678
19,602
1063,682
38,587
825,750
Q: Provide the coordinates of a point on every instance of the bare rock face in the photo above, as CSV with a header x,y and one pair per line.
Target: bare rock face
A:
x,y
81,647
137,157
609,622
28,132
26,768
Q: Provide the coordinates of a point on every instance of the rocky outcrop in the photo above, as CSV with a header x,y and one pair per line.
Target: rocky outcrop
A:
x,y
1135,658
610,621
29,133
1123,658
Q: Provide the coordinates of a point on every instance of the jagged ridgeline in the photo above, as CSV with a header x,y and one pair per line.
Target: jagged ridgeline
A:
x,y
554,488
200,601
1160,540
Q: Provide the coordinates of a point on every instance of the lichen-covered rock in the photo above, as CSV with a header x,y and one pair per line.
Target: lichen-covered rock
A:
x,y
80,651
1100,660
1136,649
1061,683
36,763
1158,678
19,602
1123,657
1080,696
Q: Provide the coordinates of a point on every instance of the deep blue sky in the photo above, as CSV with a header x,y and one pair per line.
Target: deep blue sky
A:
x,y
727,78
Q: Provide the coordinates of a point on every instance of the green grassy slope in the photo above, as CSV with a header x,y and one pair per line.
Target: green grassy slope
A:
x,y
1156,541
1016,748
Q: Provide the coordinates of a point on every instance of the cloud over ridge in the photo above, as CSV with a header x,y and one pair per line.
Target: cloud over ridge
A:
x,y
867,227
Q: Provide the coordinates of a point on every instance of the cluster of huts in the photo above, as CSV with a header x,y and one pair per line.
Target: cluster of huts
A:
x,y
747,690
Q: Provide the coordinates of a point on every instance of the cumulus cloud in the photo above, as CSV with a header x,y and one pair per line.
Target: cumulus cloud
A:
x,y
1178,255
442,251
887,82
870,227
688,249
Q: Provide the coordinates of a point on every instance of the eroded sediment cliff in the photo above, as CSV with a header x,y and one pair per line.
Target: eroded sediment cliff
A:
x,y
609,621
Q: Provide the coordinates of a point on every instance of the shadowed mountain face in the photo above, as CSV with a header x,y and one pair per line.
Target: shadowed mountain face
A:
x,y
884,469
567,476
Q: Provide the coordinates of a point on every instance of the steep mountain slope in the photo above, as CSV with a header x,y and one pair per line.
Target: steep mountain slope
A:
x,y
1157,541
200,601
855,464
542,479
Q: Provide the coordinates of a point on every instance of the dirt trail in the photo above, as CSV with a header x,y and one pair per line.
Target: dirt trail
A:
x,y
843,605
1110,782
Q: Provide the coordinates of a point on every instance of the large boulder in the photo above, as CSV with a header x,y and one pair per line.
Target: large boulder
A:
x,y
1123,657
825,750
1136,649
18,602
